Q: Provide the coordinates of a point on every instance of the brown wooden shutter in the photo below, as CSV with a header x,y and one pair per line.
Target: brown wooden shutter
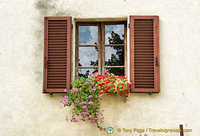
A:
x,y
144,53
57,54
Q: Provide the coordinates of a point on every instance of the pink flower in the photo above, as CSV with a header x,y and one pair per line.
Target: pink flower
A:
x,y
83,102
84,113
66,96
104,129
100,95
90,102
86,83
90,116
74,120
65,90
75,89
92,121
92,83
84,107
74,114
94,89
87,118
97,113
90,96
81,118
66,102
95,73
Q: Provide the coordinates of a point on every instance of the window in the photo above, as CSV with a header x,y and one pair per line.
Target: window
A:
x,y
100,47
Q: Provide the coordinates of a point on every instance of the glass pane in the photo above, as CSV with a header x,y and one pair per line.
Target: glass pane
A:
x,y
114,56
86,72
88,56
116,71
114,34
88,35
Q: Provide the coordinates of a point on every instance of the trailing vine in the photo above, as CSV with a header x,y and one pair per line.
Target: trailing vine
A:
x,y
86,94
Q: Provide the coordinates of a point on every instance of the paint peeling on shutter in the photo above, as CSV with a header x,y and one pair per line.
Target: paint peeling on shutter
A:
x,y
144,53
57,54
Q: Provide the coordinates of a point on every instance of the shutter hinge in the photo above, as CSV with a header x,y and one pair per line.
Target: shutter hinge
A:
x,y
50,93
150,93
45,18
45,62
128,25
156,61
72,26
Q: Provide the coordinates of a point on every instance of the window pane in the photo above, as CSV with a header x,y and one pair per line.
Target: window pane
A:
x,y
88,56
116,71
88,35
86,72
114,34
114,56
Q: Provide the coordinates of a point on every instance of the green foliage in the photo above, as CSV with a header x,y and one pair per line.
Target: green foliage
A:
x,y
86,94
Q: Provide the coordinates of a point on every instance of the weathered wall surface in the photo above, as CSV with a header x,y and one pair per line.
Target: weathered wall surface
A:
x,y
25,111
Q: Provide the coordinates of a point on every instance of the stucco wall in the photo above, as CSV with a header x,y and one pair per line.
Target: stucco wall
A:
x,y
26,111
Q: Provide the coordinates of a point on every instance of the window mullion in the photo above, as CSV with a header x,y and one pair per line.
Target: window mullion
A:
x,y
103,48
99,48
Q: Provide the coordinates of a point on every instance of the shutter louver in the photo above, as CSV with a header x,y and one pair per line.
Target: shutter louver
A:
x,y
144,52
57,54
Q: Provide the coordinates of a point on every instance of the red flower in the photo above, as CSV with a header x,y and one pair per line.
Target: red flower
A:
x,y
100,92
119,93
106,93
122,88
114,90
131,81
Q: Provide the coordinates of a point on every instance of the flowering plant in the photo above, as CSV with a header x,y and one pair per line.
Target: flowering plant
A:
x,y
86,94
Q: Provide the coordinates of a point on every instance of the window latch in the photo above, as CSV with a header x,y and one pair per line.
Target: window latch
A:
x,y
156,61
45,62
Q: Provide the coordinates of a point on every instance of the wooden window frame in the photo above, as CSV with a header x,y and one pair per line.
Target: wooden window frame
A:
x,y
156,88
101,45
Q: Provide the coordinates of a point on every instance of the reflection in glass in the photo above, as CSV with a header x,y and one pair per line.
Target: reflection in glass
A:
x,y
114,34
114,56
116,71
88,35
86,72
88,56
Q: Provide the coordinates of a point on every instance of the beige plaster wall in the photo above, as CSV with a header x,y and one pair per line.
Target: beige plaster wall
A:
x,y
26,111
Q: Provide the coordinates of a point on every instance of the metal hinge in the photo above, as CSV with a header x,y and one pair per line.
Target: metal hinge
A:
x,y
128,25
156,61
45,18
45,62
72,26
